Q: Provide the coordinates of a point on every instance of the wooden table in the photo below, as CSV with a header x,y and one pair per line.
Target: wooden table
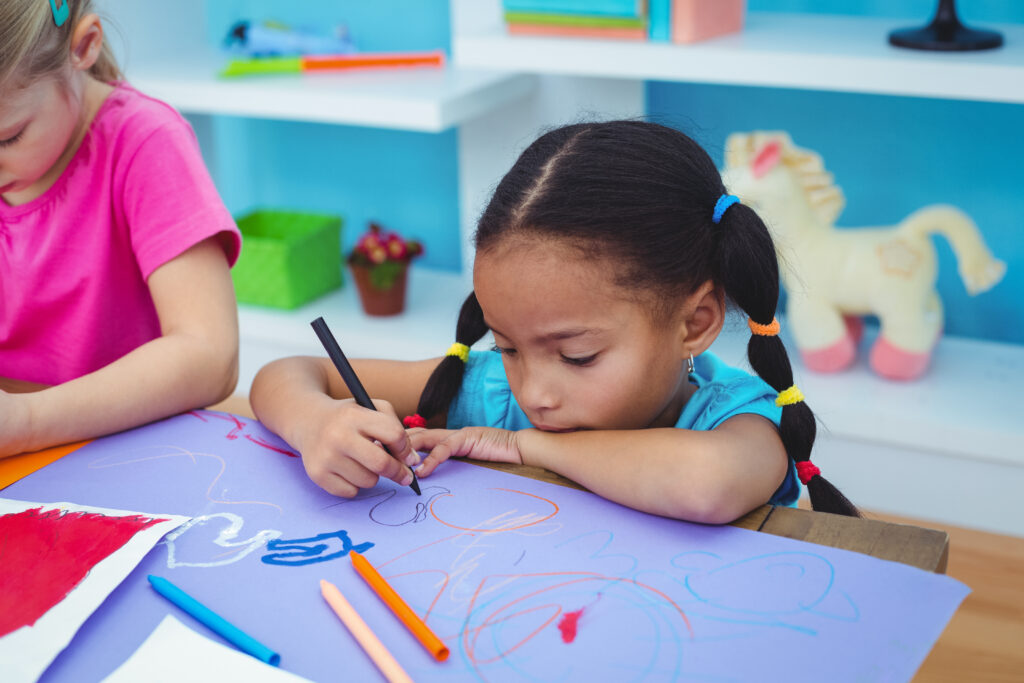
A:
x,y
926,549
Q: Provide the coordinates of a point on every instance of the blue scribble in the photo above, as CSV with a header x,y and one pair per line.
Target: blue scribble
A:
x,y
301,551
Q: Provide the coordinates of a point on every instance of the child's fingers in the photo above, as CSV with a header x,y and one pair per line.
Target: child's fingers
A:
x,y
427,439
379,461
341,477
384,406
441,444
388,431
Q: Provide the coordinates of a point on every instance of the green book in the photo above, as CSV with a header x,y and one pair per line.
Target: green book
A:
x,y
581,20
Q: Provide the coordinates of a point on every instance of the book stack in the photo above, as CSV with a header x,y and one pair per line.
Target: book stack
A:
x,y
679,21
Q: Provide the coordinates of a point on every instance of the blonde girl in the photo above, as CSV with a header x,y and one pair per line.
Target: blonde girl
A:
x,y
116,301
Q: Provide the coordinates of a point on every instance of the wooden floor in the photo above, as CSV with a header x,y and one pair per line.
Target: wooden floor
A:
x,y
985,639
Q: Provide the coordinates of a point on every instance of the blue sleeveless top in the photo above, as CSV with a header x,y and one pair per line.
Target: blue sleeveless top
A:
x,y
485,400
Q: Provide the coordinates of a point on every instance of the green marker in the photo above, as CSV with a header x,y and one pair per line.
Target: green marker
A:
x,y
262,66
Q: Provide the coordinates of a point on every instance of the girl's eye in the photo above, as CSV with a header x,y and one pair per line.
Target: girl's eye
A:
x,y
580,362
10,141
503,350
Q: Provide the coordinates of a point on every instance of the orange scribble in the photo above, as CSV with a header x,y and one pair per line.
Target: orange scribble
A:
x,y
497,529
440,591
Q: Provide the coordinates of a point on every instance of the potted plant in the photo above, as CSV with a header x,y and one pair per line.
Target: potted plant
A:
x,y
380,266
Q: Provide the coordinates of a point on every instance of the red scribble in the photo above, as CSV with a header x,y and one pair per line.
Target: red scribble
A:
x,y
44,555
508,611
237,429
568,623
271,447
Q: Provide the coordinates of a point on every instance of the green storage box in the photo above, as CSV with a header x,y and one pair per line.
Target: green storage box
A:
x,y
288,257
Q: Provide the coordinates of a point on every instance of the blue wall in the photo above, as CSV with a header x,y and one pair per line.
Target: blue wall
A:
x,y
892,155
407,181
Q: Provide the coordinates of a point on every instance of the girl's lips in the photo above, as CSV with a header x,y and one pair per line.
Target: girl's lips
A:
x,y
557,430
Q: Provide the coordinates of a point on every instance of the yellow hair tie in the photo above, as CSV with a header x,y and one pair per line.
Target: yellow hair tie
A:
x,y
460,351
769,330
789,397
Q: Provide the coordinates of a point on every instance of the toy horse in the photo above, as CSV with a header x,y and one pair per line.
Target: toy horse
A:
x,y
833,277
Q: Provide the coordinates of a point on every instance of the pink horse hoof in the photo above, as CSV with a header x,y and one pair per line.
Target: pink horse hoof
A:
x,y
854,327
896,363
833,358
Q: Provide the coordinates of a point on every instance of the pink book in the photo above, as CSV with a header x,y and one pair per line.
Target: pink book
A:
x,y
517,29
694,20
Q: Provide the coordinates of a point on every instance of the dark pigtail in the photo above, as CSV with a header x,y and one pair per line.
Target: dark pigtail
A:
x,y
445,381
748,269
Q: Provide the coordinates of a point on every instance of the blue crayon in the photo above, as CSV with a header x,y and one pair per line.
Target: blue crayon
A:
x,y
214,621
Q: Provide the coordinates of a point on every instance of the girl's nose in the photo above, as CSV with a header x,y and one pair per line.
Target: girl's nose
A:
x,y
536,392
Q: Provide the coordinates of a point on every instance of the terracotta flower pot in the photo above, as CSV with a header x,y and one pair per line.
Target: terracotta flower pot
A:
x,y
390,301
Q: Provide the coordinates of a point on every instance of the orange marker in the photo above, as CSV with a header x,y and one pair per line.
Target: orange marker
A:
x,y
394,601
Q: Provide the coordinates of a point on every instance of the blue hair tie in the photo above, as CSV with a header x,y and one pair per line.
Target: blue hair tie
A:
x,y
723,203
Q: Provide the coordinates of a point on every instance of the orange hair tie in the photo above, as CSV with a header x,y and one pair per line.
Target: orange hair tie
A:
x,y
764,330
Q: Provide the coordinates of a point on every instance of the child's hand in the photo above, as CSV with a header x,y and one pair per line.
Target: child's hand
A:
x,y
477,443
14,424
341,448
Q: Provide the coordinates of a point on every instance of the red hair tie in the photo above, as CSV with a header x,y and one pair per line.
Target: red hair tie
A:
x,y
806,471
415,420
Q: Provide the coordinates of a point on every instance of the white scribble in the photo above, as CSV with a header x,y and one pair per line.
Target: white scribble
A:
x,y
225,539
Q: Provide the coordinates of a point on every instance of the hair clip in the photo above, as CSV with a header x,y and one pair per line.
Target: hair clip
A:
x,y
61,11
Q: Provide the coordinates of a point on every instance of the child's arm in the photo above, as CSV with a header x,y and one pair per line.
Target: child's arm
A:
x,y
305,401
192,364
702,476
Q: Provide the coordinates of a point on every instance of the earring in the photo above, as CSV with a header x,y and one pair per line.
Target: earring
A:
x,y
689,365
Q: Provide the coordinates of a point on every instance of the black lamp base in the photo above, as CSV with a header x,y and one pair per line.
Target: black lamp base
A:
x,y
934,37
946,33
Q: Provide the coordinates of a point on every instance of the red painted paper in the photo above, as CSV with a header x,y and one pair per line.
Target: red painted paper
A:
x,y
45,554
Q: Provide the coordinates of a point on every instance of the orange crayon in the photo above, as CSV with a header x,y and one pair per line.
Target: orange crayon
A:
x,y
370,643
434,645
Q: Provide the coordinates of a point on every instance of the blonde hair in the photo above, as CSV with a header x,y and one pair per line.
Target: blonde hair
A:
x,y
33,47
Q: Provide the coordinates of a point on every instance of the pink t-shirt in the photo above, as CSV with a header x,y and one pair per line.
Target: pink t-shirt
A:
x,y
74,262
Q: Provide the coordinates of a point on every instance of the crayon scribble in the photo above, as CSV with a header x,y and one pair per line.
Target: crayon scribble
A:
x,y
301,551
225,539
237,430
567,624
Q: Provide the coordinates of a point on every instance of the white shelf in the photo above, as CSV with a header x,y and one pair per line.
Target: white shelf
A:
x,y
966,405
424,330
425,100
820,52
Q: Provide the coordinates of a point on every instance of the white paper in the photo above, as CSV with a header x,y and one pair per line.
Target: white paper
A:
x,y
173,653
26,652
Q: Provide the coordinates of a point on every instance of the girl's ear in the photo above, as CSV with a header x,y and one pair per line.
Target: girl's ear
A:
x,y
704,316
86,42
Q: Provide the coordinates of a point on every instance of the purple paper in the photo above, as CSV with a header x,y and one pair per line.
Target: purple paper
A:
x,y
523,580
